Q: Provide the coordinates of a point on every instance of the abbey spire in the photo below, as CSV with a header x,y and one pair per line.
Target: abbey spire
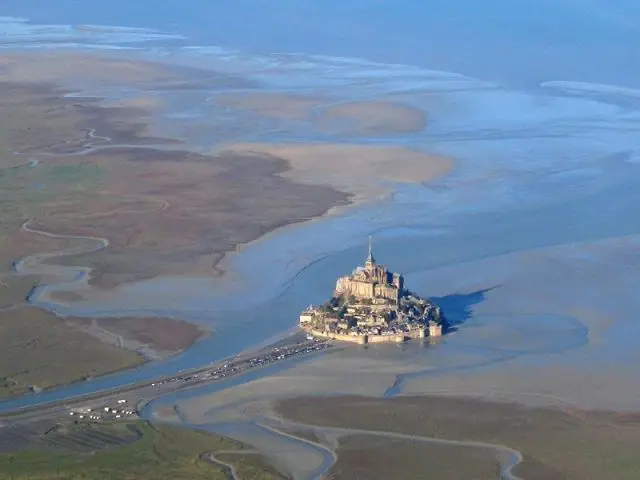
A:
x,y
370,259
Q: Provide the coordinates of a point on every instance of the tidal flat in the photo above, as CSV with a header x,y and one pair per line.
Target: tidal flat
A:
x,y
508,198
527,238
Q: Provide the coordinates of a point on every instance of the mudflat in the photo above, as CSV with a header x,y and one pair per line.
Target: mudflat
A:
x,y
555,443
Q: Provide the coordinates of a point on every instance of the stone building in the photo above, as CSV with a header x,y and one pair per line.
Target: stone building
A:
x,y
371,281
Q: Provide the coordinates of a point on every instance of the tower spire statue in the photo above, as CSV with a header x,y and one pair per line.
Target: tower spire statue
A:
x,y
370,259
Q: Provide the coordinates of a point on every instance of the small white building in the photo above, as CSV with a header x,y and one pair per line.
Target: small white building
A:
x,y
305,318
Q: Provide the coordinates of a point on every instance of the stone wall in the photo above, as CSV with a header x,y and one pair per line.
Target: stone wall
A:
x,y
360,339
386,338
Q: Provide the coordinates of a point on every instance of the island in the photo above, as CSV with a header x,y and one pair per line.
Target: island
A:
x,y
372,305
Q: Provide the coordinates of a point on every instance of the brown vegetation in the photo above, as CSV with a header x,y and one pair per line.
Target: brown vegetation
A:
x,y
191,210
161,334
15,289
567,444
41,350
362,457
164,211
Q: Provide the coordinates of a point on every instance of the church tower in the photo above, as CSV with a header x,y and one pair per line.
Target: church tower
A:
x,y
370,262
372,281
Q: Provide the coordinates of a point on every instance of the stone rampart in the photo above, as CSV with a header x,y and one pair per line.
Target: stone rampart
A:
x,y
360,339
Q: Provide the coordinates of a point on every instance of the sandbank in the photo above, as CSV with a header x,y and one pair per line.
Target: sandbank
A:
x,y
96,69
374,118
367,172
324,114
276,105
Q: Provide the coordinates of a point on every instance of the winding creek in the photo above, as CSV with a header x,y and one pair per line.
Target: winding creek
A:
x,y
507,457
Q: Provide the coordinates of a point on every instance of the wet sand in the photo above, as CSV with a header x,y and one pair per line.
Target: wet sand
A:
x,y
282,106
520,338
326,114
87,69
368,172
374,118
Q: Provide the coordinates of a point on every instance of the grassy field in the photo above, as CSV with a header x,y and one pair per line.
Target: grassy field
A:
x,y
40,349
147,452
556,444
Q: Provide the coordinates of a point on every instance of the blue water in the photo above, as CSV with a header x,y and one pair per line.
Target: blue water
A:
x,y
538,103
518,42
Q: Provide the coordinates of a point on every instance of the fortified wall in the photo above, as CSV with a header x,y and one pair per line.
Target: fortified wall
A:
x,y
360,339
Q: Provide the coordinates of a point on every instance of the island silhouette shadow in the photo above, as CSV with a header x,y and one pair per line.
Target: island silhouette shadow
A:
x,y
456,308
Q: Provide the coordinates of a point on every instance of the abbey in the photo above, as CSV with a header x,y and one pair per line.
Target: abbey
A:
x,y
372,306
371,281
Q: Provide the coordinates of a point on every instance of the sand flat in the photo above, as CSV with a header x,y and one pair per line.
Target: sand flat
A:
x,y
374,118
326,114
276,105
357,169
35,67
82,69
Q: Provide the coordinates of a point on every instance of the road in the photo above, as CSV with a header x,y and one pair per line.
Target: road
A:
x,y
140,394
